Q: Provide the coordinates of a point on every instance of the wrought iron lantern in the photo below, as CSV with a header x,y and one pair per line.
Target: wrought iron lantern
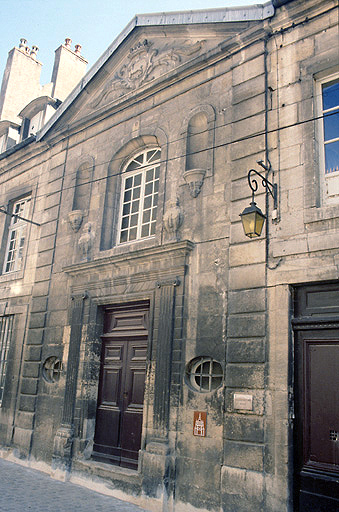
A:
x,y
252,217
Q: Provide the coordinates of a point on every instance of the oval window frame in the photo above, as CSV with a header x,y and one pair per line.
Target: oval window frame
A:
x,y
204,374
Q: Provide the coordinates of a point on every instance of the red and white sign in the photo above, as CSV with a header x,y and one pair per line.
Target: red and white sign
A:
x,y
199,423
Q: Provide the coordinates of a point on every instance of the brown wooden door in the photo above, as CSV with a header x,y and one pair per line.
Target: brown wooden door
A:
x,y
121,386
317,420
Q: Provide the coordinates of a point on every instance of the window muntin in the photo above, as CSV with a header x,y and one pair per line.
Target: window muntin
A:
x,y
140,190
204,374
16,236
6,327
330,111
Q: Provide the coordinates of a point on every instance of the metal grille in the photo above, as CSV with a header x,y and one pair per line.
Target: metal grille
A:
x,y
6,327
334,435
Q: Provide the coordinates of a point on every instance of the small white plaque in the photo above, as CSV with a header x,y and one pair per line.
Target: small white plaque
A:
x,y
243,402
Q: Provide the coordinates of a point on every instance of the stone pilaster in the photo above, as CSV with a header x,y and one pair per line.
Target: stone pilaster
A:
x,y
166,301
158,462
63,441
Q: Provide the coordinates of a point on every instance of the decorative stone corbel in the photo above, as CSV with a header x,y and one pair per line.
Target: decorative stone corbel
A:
x,y
172,220
194,179
75,219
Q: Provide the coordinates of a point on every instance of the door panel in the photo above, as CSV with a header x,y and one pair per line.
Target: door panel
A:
x,y
322,415
317,420
111,380
121,387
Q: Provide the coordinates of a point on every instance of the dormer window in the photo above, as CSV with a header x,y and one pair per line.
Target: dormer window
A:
x,y
9,135
36,114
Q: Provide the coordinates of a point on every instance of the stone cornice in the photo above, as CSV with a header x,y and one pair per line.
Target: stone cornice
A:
x,y
149,255
21,158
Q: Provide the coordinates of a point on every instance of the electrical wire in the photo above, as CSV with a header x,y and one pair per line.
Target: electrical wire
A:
x,y
220,126
214,128
2,210
184,155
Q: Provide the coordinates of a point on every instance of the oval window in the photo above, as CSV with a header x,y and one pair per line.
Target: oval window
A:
x,y
51,369
204,374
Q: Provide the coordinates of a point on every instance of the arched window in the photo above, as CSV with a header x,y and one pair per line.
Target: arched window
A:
x,y
139,198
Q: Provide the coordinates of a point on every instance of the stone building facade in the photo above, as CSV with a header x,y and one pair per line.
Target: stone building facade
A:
x,y
146,343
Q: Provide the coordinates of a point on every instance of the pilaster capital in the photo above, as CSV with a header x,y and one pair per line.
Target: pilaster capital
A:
x,y
168,282
79,296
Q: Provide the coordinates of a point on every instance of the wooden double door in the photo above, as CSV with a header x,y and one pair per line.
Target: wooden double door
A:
x,y
121,385
316,434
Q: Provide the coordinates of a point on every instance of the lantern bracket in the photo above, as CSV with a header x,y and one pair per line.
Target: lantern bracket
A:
x,y
253,184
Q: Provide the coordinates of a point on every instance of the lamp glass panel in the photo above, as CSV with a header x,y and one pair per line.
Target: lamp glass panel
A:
x,y
252,223
259,222
248,222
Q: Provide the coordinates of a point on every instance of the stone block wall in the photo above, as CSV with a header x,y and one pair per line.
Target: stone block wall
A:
x,y
212,292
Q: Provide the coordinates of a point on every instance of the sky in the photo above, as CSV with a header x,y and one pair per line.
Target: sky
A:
x,y
92,23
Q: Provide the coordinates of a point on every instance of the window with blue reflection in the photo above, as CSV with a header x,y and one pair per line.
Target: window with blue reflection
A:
x,y
330,97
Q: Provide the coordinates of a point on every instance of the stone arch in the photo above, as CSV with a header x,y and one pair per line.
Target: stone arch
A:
x,y
115,169
198,135
197,142
83,184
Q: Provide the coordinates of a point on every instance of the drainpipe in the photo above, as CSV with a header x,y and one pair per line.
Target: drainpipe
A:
x,y
267,161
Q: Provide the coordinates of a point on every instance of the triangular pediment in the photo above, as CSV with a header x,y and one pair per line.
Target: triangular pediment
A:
x,y
144,58
145,62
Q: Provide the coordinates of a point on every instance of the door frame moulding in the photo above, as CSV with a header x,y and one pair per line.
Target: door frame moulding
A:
x,y
306,316
123,279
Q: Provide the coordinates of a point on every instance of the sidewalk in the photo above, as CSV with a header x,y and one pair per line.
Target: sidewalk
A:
x,y
24,489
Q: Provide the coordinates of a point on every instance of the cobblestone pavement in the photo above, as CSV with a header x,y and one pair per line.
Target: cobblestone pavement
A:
x,y
24,489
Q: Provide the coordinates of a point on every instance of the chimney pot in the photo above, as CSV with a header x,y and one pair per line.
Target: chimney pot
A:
x,y
78,49
27,50
23,43
34,51
68,42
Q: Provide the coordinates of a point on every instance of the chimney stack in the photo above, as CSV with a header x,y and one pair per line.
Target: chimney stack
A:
x,y
21,81
69,68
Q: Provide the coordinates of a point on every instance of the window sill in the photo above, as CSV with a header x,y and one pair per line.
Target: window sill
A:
x,y
322,214
135,245
11,276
